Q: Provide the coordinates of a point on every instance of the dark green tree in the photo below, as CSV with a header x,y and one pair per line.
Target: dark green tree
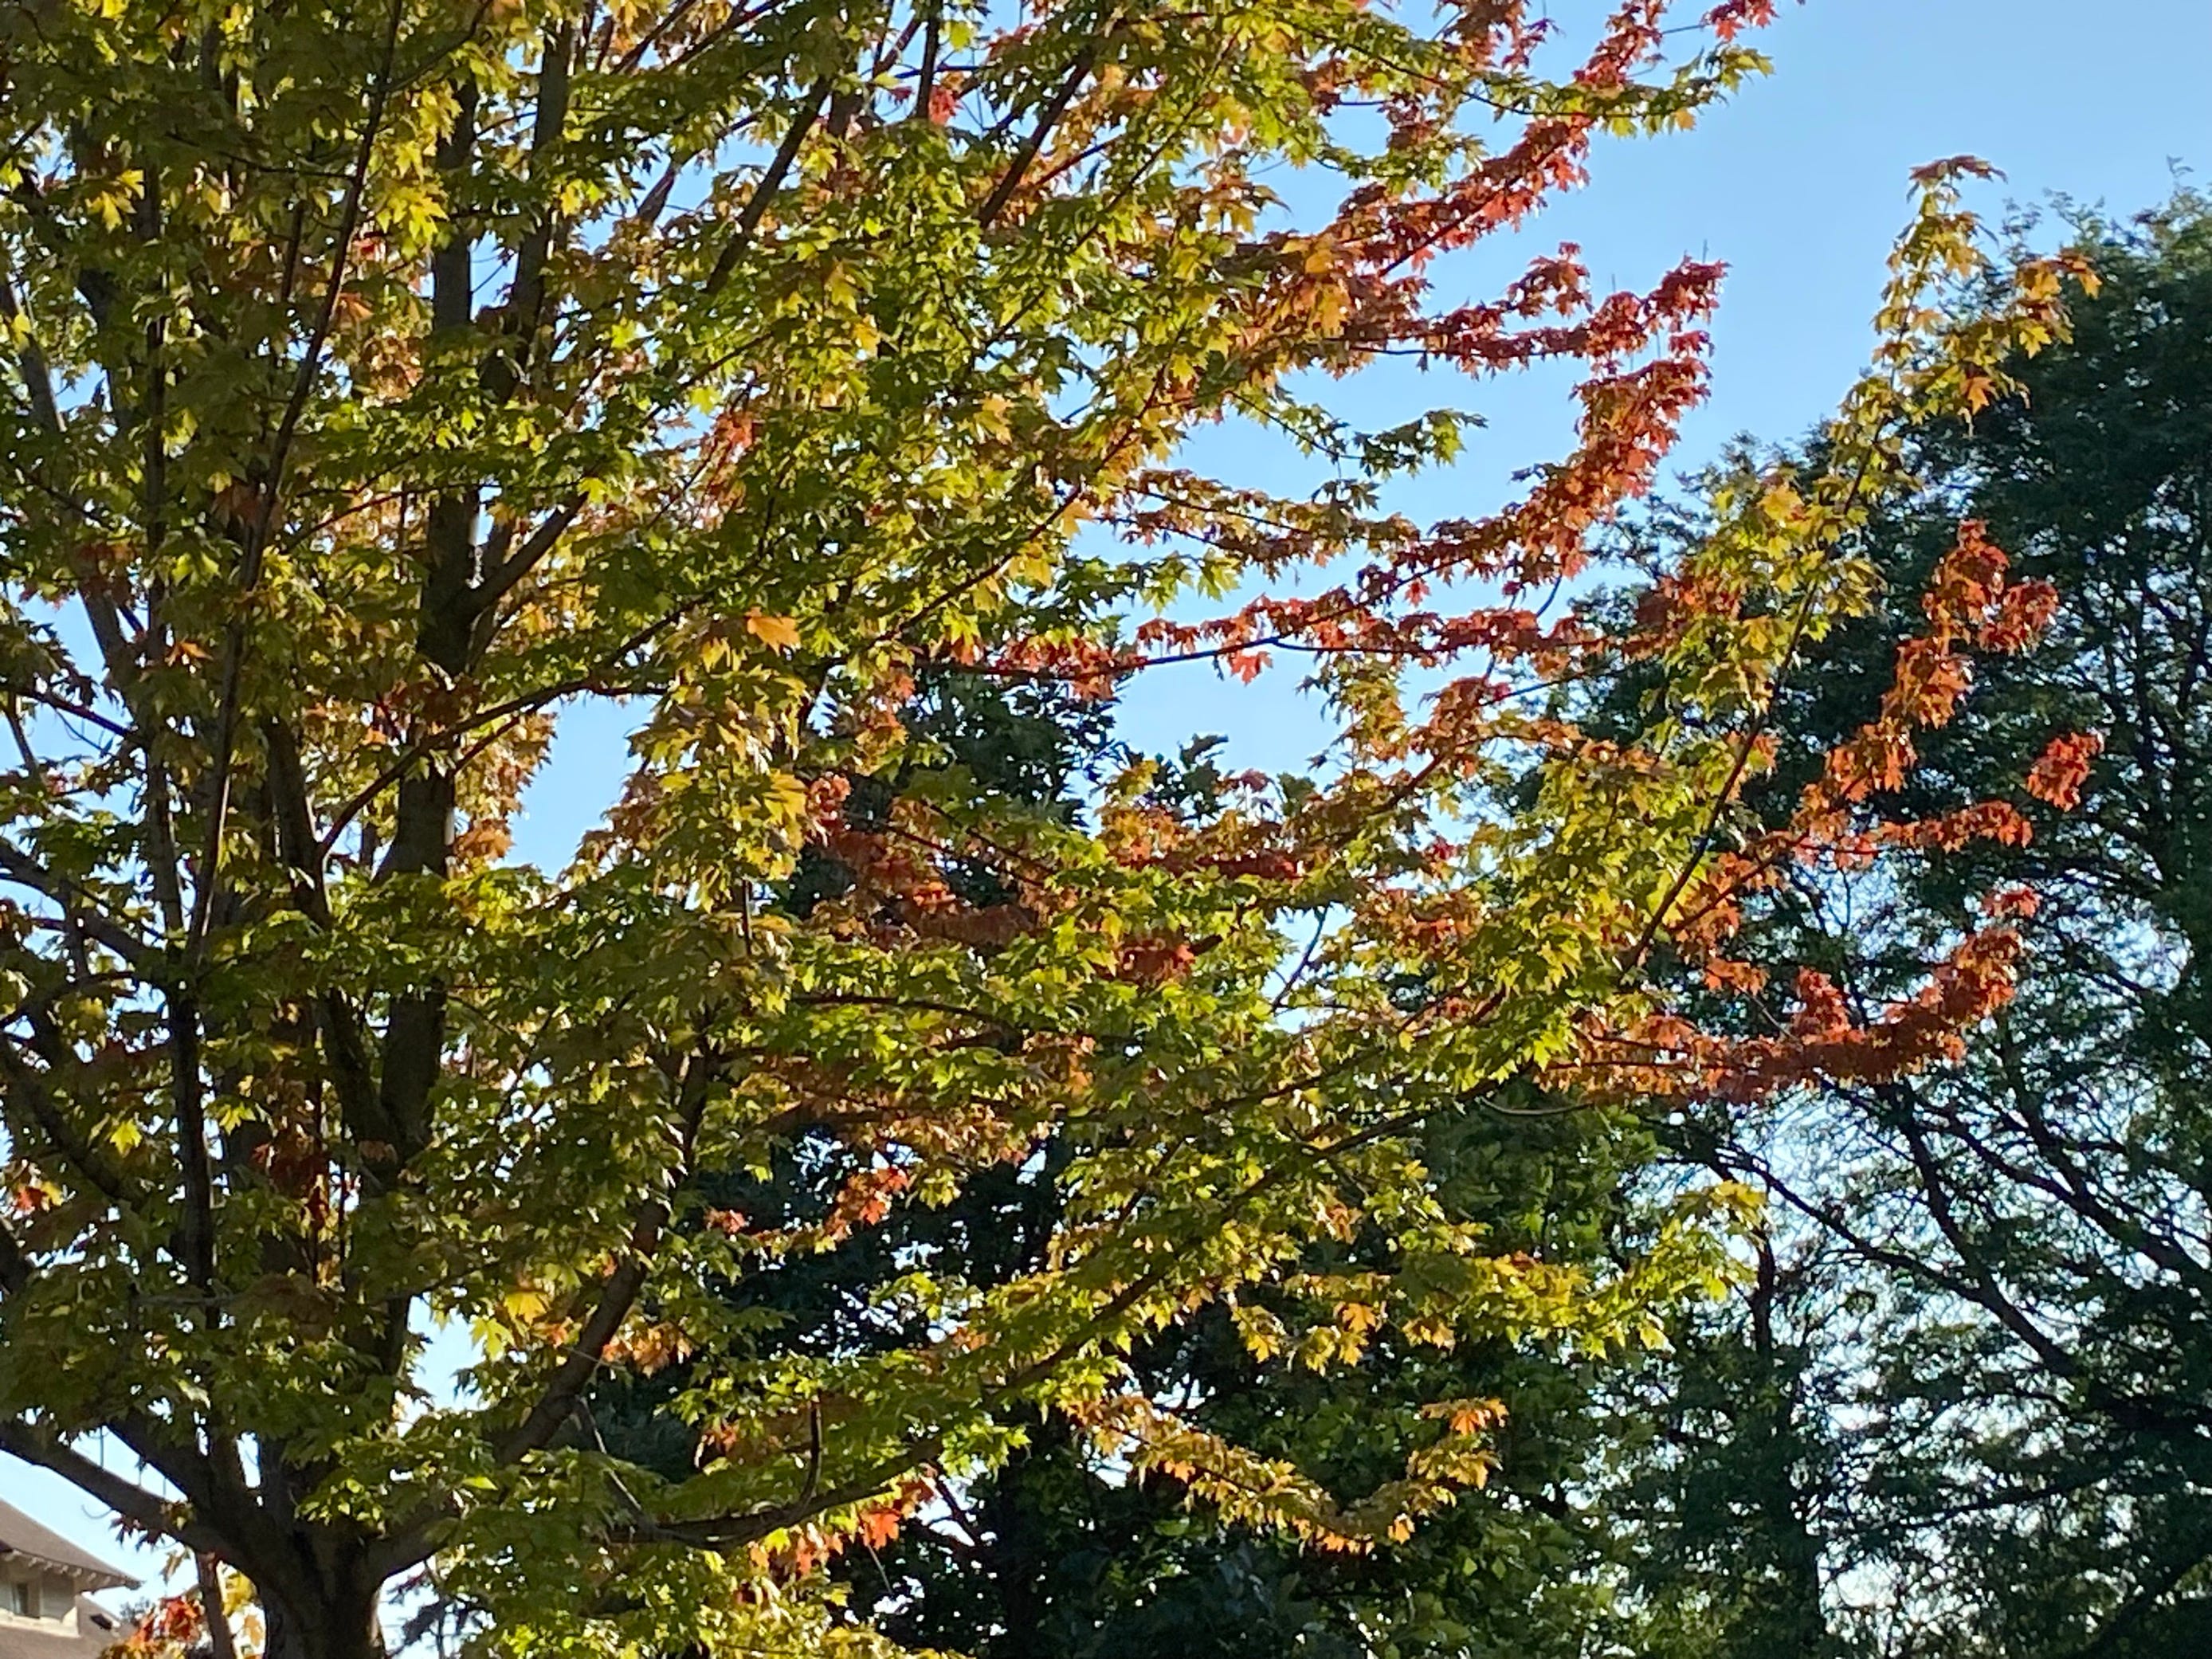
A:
x,y
1730,1475
1058,1556
1995,1429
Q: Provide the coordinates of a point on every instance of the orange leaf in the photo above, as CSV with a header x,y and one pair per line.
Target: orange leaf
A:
x,y
780,633
2059,773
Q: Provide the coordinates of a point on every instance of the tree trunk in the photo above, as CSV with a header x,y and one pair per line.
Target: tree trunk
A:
x,y
340,1623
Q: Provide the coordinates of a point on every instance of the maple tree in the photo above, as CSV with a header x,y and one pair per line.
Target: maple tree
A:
x,y
384,378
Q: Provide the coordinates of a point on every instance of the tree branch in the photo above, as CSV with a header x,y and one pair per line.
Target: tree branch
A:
x,y
272,486
27,1088
93,923
764,192
127,1499
16,1269
621,1288
1032,147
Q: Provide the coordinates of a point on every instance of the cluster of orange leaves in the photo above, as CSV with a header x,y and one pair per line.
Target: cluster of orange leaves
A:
x,y
805,1549
1970,604
898,886
1358,290
173,1623
2060,771
1630,414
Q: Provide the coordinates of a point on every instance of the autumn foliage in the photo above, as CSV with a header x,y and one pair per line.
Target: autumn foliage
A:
x,y
439,370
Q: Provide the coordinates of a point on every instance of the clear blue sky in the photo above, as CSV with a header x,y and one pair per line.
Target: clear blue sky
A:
x,y
1799,187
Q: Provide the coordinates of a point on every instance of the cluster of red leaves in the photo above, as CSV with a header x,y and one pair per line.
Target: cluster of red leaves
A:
x,y
1357,290
865,1199
1968,603
1630,412
897,874
1731,17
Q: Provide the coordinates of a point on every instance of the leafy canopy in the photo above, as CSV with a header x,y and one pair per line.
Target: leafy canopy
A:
x,y
383,377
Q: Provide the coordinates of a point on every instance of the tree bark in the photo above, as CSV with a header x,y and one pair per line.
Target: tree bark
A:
x,y
336,1621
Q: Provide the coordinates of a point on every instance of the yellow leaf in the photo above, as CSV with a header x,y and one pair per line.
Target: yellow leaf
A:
x,y
523,1305
779,632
